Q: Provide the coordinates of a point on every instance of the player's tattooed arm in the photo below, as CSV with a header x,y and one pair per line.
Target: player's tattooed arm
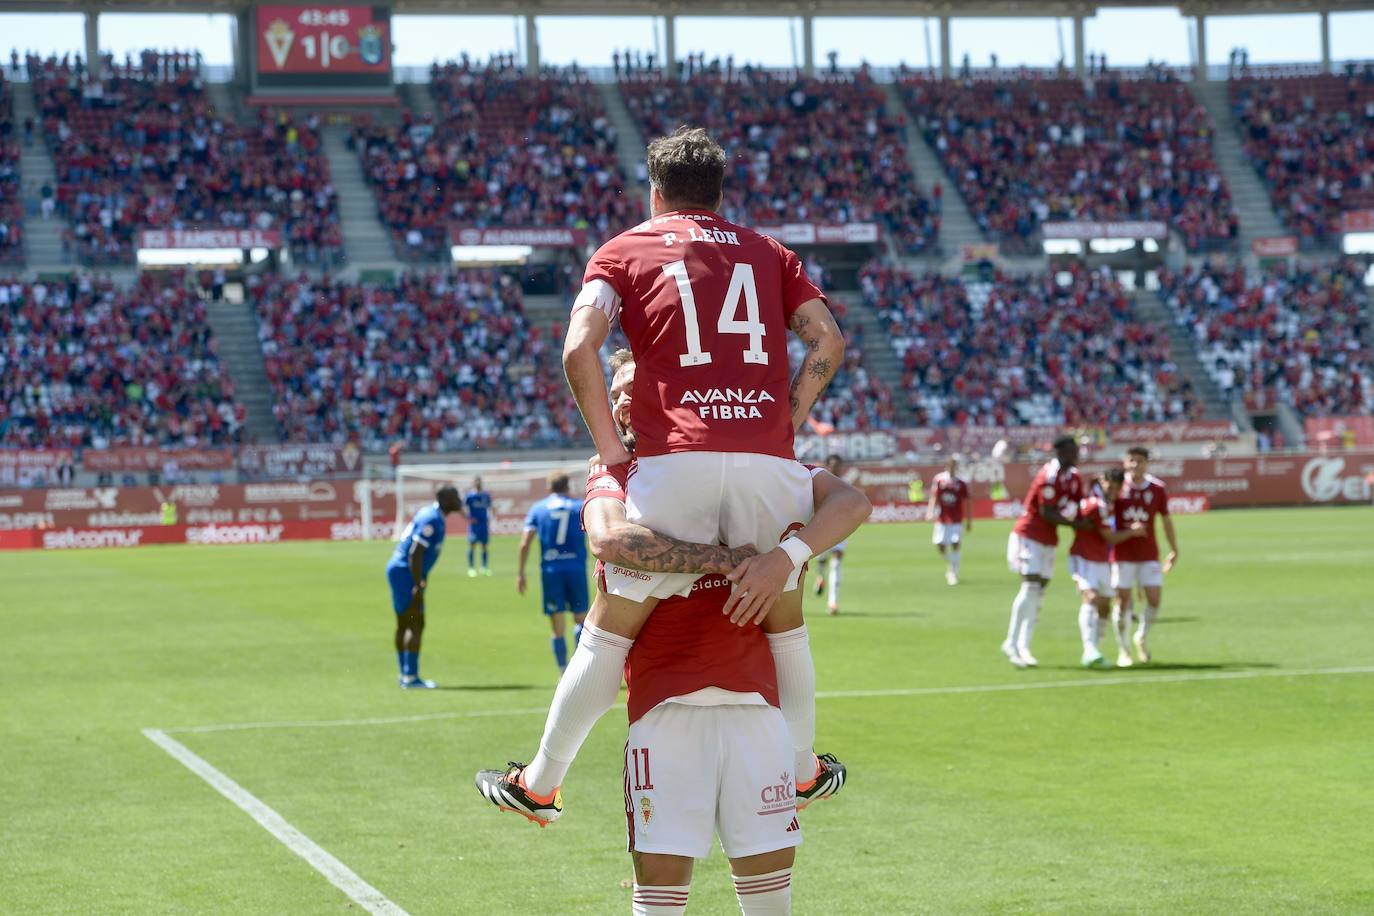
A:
x,y
815,327
613,539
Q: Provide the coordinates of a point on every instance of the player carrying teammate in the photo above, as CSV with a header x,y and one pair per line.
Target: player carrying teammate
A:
x,y
1136,562
706,305
557,520
1088,562
478,503
952,511
828,566
1051,501
407,572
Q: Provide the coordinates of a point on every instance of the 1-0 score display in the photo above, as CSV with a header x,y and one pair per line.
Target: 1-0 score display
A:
x,y
329,39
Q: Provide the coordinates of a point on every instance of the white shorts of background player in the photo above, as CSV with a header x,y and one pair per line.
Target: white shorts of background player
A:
x,y
695,771
1090,575
733,498
947,533
1128,575
1030,558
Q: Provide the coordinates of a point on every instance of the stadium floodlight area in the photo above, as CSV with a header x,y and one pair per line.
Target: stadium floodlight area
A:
x,y
514,486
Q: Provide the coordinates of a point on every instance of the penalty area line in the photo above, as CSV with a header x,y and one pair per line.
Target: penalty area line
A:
x,y
337,873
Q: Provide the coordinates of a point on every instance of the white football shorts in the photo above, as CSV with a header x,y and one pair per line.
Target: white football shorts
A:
x,y
1128,575
1090,574
731,498
695,771
948,534
1030,558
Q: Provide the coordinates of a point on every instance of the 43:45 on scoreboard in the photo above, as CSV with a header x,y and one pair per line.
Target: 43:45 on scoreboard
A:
x,y
323,40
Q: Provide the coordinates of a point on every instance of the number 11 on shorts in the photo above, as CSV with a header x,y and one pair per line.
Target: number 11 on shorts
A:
x,y
643,781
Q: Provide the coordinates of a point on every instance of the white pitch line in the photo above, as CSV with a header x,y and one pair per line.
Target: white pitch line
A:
x,y
337,873
1103,681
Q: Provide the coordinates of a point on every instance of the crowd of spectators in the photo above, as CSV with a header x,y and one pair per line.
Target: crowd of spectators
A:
x,y
801,150
1312,140
143,147
1028,151
11,204
1296,333
441,360
505,149
83,363
1027,349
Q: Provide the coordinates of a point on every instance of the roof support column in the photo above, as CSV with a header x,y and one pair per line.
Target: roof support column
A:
x,y
808,45
531,45
93,43
1326,41
1080,62
1201,75
946,66
670,46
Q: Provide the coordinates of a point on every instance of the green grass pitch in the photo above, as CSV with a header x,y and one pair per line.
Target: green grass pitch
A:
x,y
1232,776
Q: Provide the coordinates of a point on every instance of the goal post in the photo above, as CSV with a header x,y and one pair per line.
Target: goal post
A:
x,y
514,486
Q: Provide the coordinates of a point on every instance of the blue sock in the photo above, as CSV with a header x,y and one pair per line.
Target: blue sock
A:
x,y
410,664
485,564
560,651
577,634
470,556
401,662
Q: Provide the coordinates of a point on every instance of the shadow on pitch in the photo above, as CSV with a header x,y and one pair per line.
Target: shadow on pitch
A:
x,y
843,614
1177,620
1169,666
478,688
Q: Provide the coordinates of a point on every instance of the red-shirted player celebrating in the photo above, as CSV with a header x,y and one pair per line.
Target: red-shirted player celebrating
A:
x,y
706,305
1136,562
708,750
1088,562
952,512
1052,501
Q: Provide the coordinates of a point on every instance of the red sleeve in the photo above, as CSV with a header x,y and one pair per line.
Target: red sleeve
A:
x,y
797,287
1163,499
604,483
606,265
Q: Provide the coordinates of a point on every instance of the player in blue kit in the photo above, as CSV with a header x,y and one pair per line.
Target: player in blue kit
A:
x,y
408,571
557,520
478,503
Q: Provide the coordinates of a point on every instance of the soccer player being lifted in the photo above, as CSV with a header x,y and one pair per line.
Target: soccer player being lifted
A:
x,y
408,573
706,305
1135,563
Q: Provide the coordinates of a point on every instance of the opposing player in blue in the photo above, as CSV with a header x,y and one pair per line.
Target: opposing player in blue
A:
x,y
407,573
557,520
478,502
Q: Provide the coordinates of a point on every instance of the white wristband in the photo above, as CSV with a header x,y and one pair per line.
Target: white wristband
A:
x,y
797,549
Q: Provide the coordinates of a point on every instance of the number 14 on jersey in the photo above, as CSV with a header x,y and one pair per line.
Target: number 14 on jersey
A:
x,y
742,287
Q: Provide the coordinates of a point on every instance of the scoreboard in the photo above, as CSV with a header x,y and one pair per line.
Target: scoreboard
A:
x,y
322,47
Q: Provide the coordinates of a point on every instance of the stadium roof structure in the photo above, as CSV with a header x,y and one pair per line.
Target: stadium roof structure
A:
x,y
916,8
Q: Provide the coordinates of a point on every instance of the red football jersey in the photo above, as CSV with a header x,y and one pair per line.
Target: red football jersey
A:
x,y
705,305
1055,486
1089,543
950,493
1140,503
687,644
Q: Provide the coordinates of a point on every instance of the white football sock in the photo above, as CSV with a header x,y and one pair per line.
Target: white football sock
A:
x,y
1147,620
954,561
765,895
587,689
797,695
1087,626
669,900
833,581
1026,598
1029,615
1121,622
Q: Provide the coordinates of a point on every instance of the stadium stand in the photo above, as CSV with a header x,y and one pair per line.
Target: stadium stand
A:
x,y
11,204
1026,350
1298,334
801,150
145,148
89,364
1023,151
444,361
504,150
1311,138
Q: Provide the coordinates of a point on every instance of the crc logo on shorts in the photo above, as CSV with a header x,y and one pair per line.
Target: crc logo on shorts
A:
x,y
646,808
778,797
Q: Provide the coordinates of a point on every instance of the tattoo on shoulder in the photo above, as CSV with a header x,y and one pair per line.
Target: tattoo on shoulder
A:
x,y
797,322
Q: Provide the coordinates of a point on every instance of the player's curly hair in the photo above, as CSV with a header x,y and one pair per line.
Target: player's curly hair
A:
x,y
620,358
688,168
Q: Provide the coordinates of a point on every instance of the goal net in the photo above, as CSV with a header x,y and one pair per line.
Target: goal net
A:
x,y
514,486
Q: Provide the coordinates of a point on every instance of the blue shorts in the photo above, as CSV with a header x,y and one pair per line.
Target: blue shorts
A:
x,y
402,583
478,533
565,590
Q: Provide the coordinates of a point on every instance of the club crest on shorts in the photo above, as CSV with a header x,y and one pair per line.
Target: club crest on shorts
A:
x,y
646,808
